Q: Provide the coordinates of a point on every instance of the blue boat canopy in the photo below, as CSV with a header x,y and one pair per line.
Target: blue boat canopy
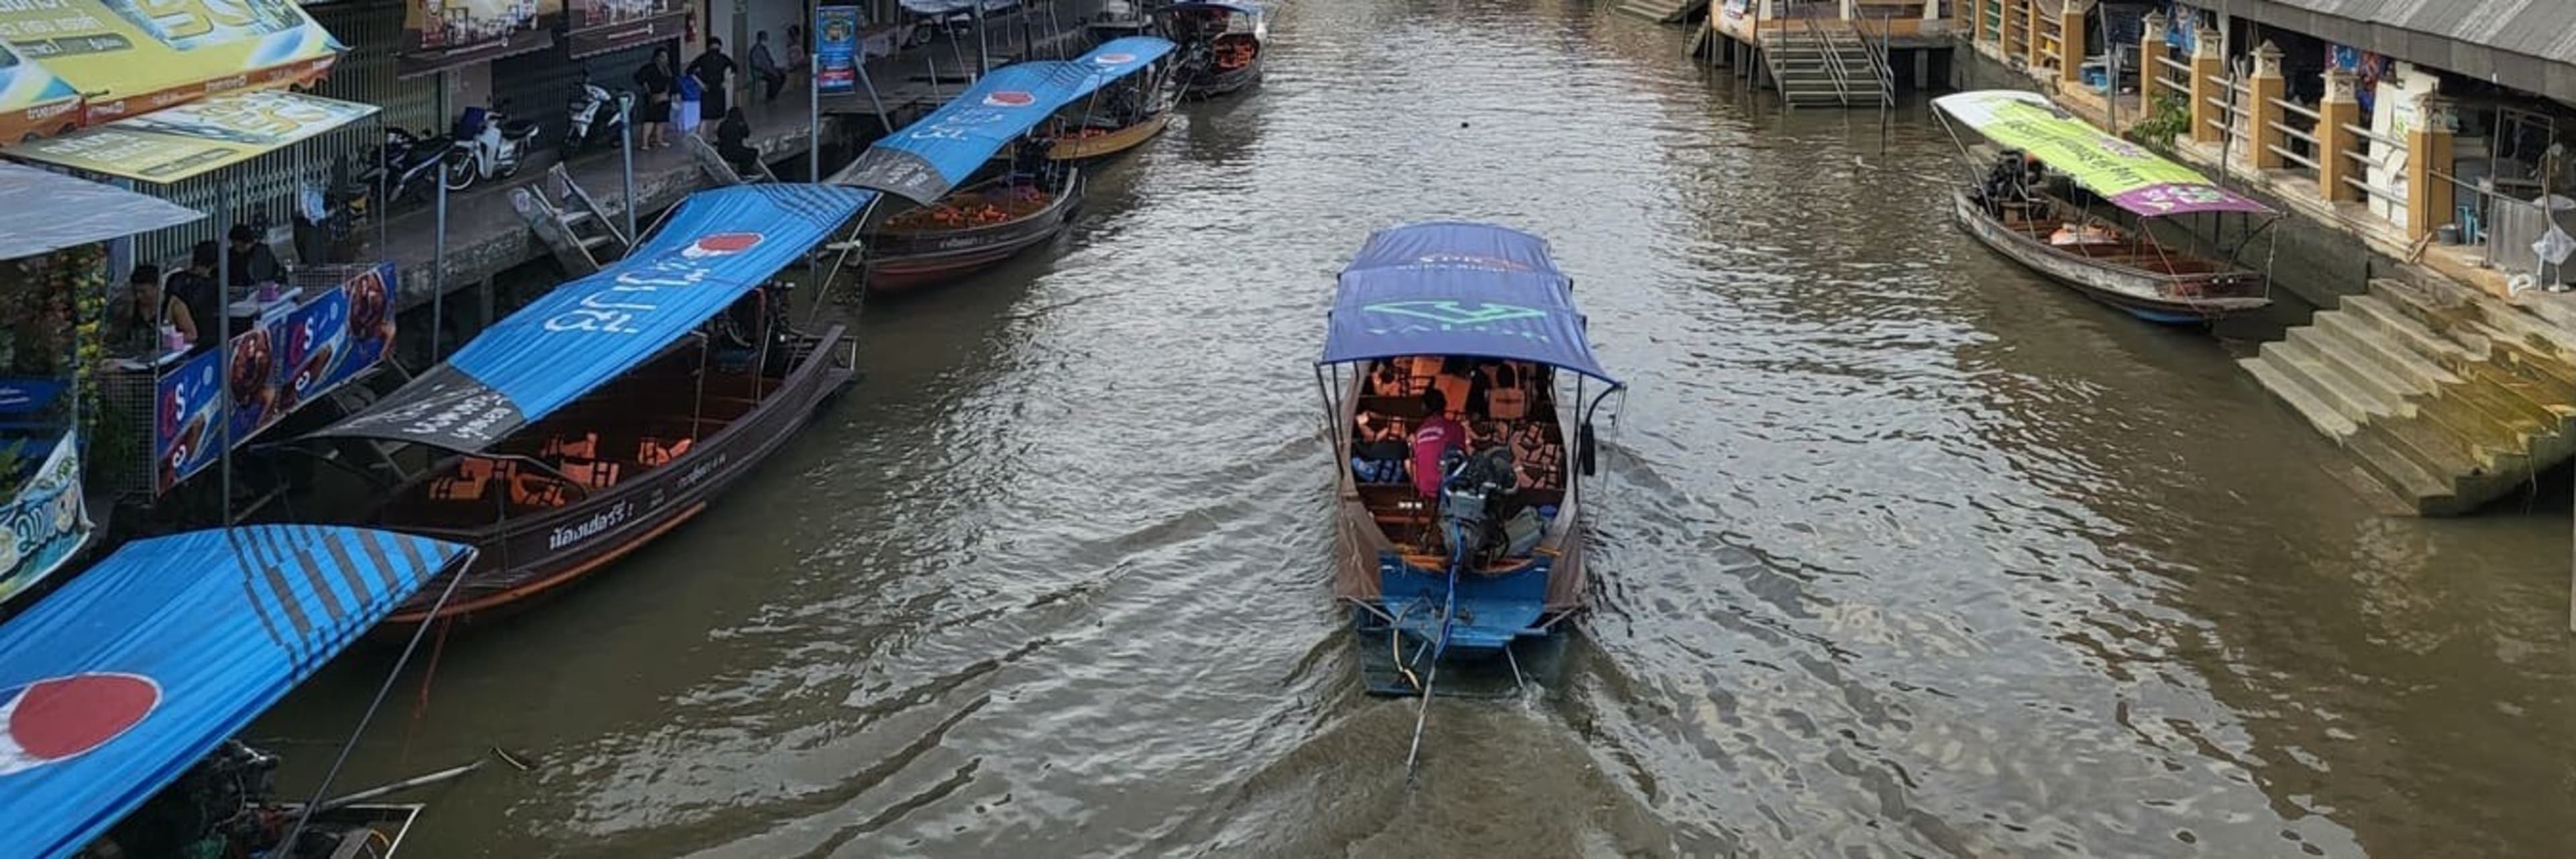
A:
x,y
1118,58
1457,288
115,685
924,160
718,246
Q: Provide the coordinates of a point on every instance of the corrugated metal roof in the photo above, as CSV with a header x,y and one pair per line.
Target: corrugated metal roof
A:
x,y
2525,44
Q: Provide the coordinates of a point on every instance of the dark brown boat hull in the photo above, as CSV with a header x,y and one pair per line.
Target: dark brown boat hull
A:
x,y
906,262
524,558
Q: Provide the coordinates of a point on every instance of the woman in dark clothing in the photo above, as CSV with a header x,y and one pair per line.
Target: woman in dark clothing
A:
x,y
654,79
733,141
139,327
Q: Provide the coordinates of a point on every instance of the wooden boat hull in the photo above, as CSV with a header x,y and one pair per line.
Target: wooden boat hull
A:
x,y
901,262
1222,83
2172,299
1112,143
525,557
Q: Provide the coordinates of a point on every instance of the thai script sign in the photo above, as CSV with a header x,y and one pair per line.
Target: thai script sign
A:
x,y
46,523
836,50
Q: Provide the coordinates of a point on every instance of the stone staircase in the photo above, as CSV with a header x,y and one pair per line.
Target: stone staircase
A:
x,y
2448,397
1663,11
1827,63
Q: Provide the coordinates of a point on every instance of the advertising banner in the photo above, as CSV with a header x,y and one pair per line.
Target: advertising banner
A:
x,y
32,100
46,522
442,34
836,50
278,366
195,138
601,26
133,57
2127,174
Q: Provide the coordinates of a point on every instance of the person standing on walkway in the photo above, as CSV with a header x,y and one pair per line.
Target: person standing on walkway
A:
x,y
711,69
656,82
799,59
765,66
692,100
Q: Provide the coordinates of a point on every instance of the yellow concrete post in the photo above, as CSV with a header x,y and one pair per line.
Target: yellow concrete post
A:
x,y
2341,107
2151,50
2264,112
2208,84
2428,153
1977,21
2070,43
2032,52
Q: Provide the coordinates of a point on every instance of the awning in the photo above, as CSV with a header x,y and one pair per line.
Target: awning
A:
x,y
716,247
33,101
1455,288
600,26
922,161
951,7
1118,58
42,212
2122,172
131,59
115,685
195,138
1239,6
438,35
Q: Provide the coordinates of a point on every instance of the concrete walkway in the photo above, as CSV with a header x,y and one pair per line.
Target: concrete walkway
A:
x,y
485,235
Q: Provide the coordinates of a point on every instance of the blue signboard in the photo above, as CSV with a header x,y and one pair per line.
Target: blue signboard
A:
x,y
836,50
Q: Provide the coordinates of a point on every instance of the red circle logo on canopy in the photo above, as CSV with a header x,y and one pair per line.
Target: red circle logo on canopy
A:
x,y
1114,59
721,244
1010,98
60,718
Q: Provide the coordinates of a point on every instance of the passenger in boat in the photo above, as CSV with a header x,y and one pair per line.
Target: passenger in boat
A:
x,y
1434,438
1377,452
2009,181
1386,380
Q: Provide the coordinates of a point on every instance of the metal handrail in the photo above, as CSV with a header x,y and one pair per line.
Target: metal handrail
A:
x,y
1833,58
1880,58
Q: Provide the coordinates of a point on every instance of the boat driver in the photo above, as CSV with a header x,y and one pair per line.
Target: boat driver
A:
x,y
1432,439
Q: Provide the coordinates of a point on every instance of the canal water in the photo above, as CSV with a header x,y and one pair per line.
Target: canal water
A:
x,y
1903,551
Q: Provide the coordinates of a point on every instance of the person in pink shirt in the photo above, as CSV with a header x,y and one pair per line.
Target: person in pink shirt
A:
x,y
1433,439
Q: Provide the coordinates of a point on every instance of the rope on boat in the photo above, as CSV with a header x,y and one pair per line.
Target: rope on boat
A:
x,y
320,790
1458,553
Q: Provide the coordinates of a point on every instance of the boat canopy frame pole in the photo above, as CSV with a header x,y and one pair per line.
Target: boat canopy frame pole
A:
x,y
848,247
456,576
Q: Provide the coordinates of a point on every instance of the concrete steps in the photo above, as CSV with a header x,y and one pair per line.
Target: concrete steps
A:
x,y
2449,398
1826,64
1663,11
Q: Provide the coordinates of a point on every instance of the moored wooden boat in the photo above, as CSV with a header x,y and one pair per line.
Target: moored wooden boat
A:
x,y
969,230
2017,207
1092,142
616,407
2115,266
1460,581
1223,44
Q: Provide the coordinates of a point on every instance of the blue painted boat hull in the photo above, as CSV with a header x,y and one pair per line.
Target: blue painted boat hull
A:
x,y
1502,621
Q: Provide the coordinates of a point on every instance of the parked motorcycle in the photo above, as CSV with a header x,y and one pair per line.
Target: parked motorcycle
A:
x,y
595,116
401,169
488,145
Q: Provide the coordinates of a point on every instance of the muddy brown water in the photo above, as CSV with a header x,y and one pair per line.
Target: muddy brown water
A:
x,y
1902,550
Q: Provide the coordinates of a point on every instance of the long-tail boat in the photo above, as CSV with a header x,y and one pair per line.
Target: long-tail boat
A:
x,y
1457,379
618,406
2079,206
117,690
1222,44
1124,109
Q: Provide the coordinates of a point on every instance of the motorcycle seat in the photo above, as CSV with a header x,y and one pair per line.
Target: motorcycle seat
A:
x,y
515,128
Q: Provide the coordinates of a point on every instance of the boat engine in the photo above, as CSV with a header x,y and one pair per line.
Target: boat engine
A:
x,y
1474,481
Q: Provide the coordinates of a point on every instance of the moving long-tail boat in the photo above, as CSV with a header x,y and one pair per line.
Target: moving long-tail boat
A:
x,y
1457,378
618,406
120,690
1125,108
1222,42
2079,205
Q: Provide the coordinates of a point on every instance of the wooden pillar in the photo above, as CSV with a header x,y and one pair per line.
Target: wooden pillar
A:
x,y
2208,84
2070,44
2266,91
1977,22
2428,152
2031,51
2151,68
2340,107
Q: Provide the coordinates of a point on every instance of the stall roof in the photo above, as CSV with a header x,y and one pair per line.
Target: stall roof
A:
x,y
33,100
118,683
129,60
42,211
2122,172
1458,288
195,138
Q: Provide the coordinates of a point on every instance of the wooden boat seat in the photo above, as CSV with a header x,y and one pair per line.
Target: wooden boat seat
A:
x,y
651,451
537,491
590,473
584,446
